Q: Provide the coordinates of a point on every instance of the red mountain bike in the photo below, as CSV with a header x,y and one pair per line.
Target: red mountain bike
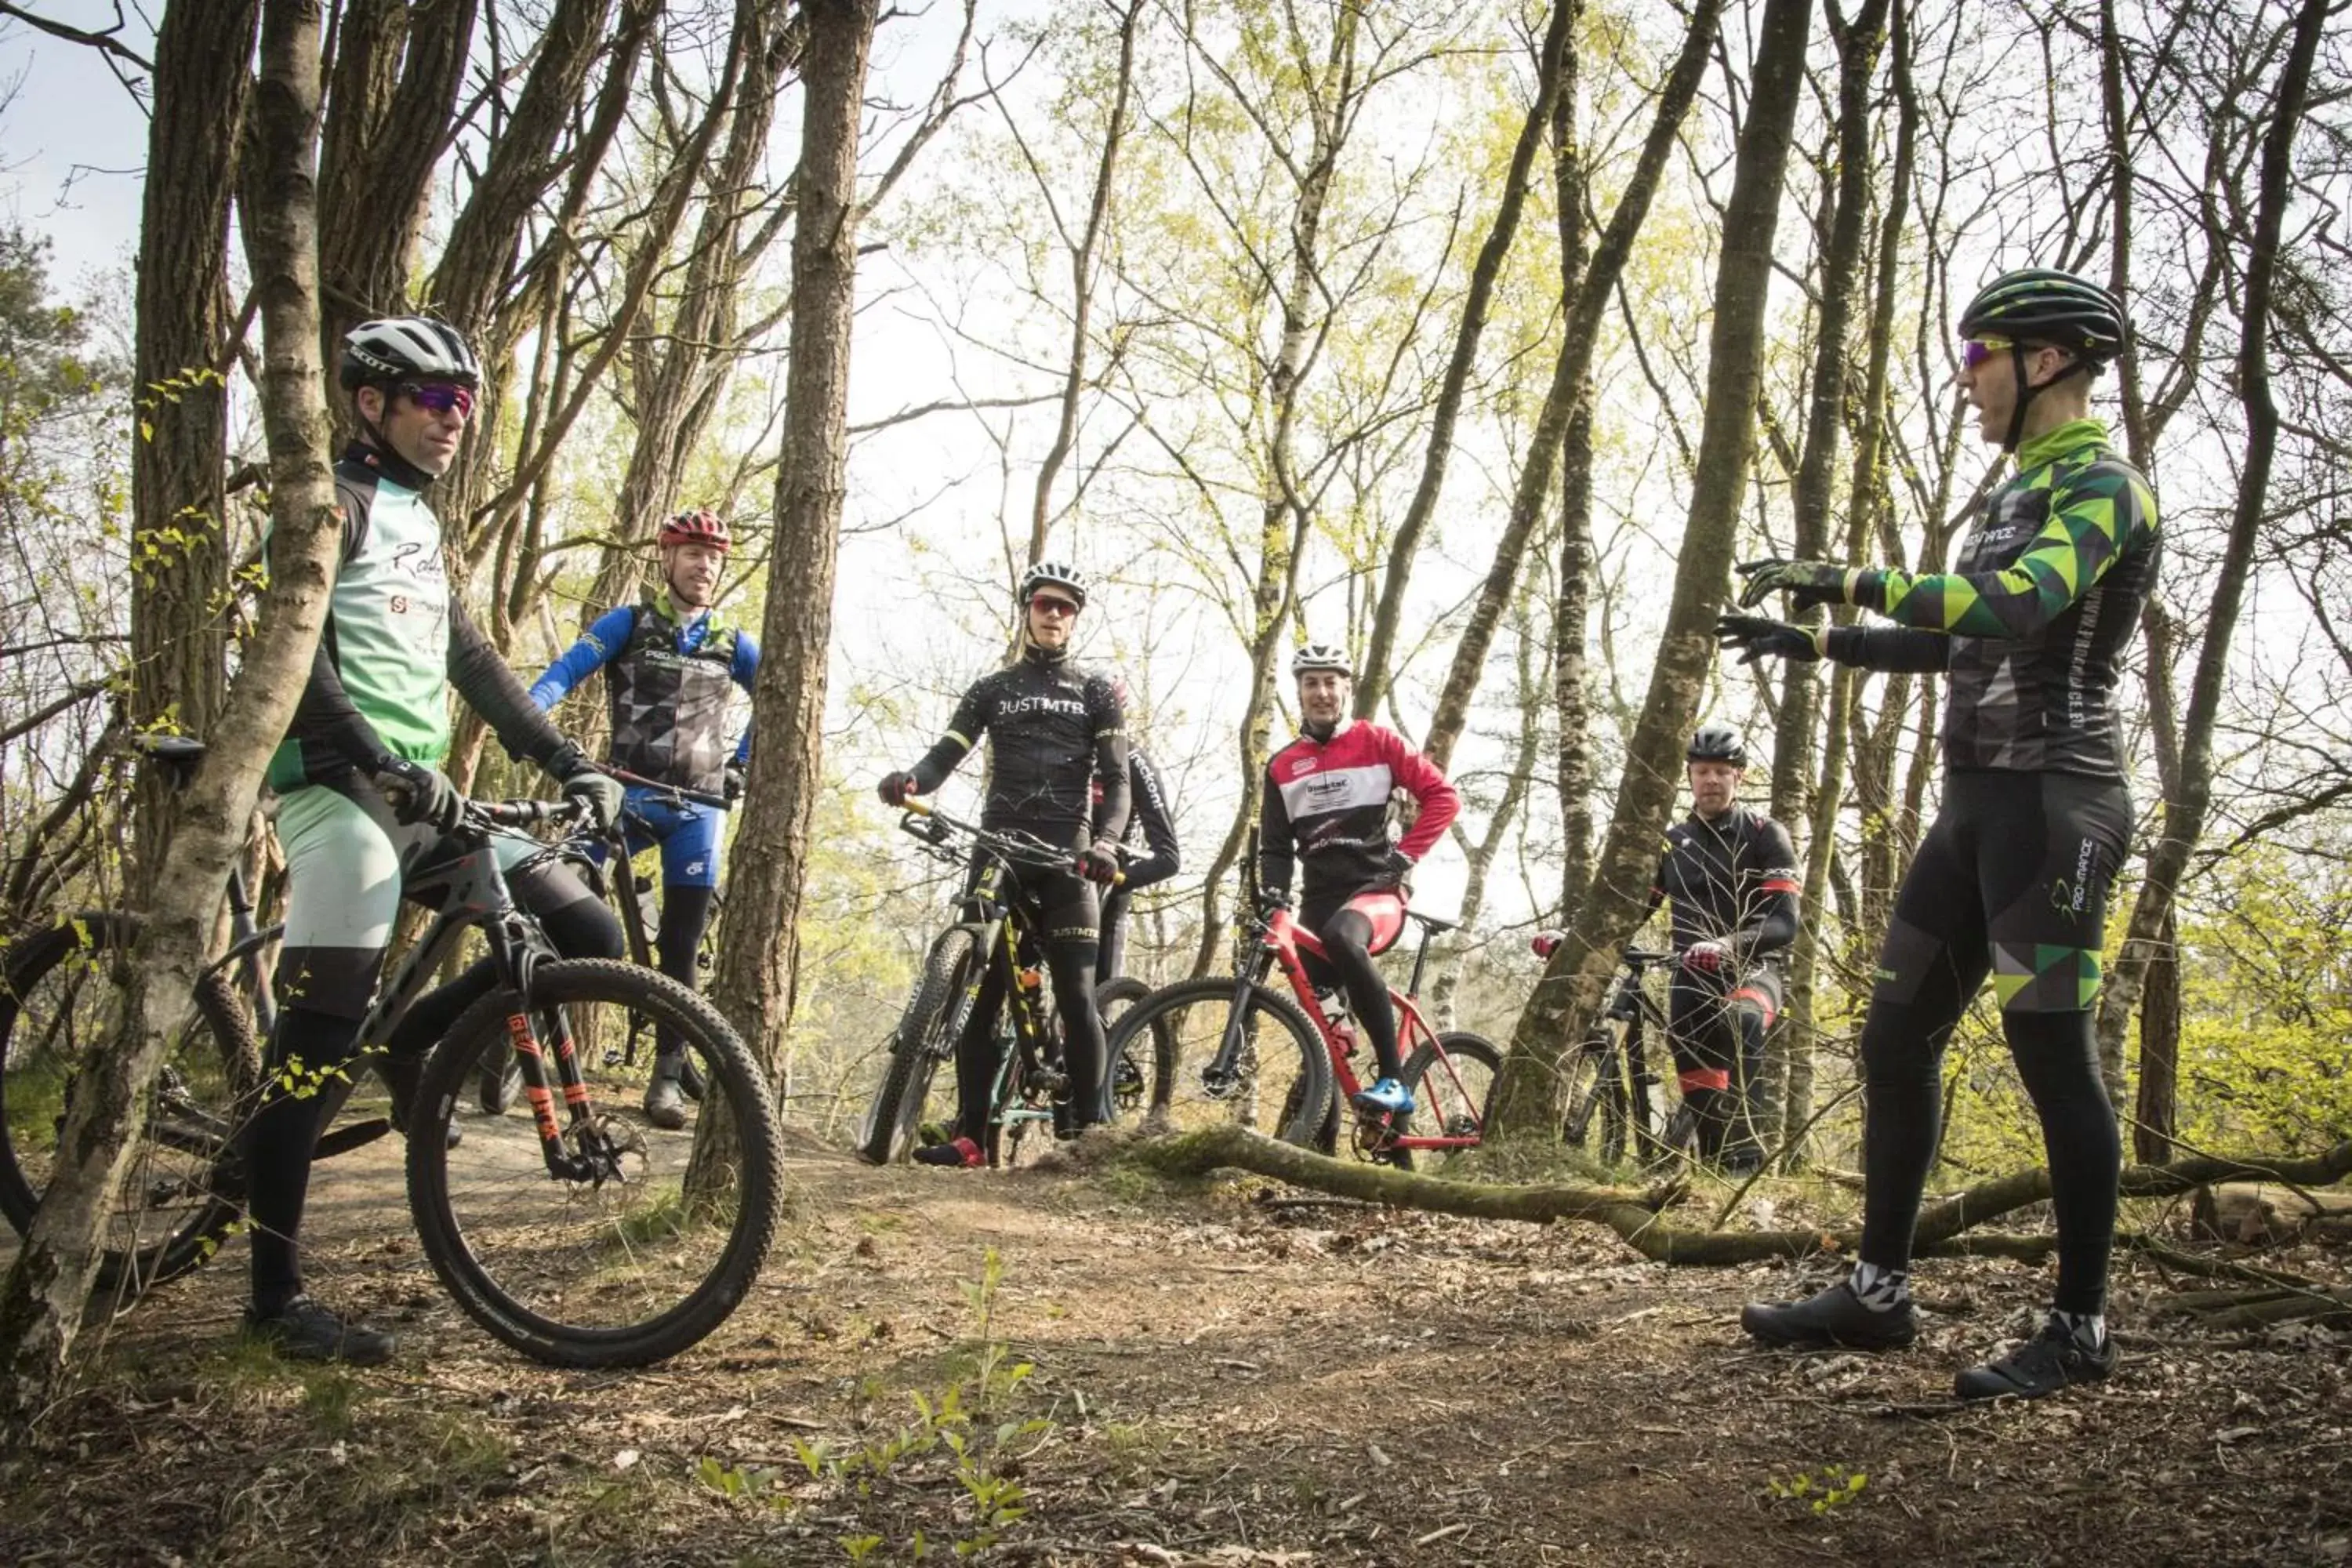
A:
x,y
1234,1048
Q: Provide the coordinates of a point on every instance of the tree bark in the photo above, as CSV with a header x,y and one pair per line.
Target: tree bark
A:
x,y
42,1299
1570,995
179,580
1579,337
1552,68
759,954
2186,809
1572,610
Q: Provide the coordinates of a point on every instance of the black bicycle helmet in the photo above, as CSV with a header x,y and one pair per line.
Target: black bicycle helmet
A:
x,y
1322,655
2040,305
399,349
1054,575
1717,743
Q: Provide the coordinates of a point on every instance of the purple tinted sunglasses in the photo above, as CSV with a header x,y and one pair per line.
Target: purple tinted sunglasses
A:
x,y
441,396
1974,352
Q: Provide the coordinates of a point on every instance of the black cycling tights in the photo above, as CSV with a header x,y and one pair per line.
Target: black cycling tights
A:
x,y
283,1134
1063,906
1347,937
2011,881
685,914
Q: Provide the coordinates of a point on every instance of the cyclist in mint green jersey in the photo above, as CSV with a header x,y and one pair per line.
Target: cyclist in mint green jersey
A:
x,y
2011,881
671,667
362,799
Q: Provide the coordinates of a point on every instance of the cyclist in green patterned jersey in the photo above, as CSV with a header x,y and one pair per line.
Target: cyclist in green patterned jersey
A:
x,y
362,799
2011,881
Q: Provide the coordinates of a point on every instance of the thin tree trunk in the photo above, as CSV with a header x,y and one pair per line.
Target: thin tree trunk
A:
x,y
1572,611
758,979
1571,993
179,580
1578,339
2185,811
1552,67
42,1299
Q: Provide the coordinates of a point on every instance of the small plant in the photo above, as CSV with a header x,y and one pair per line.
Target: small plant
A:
x,y
1824,1492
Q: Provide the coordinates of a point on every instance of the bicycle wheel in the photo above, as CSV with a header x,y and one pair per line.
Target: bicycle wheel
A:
x,y
1136,1070
1453,1081
1282,1081
61,996
655,1244
917,1046
1591,1096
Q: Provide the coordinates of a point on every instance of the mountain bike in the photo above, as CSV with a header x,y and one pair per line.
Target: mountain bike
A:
x,y
1614,1106
591,1242
1236,1049
997,926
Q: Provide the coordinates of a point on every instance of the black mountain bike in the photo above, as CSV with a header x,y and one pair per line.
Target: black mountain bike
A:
x,y
1615,1098
591,1240
997,926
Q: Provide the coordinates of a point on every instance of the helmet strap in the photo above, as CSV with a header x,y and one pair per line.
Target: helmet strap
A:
x,y
2027,392
387,460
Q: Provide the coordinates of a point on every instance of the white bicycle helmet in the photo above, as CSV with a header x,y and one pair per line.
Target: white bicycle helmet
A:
x,y
397,349
1322,655
1054,575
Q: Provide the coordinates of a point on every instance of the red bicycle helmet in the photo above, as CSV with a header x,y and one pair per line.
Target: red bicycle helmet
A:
x,y
699,525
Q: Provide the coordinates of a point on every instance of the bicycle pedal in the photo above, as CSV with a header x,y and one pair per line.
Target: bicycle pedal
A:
x,y
1047,1082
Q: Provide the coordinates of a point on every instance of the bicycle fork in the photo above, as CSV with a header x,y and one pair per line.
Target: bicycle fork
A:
x,y
595,1160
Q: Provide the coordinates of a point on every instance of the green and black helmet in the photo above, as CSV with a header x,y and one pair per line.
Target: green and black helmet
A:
x,y
2036,306
2040,305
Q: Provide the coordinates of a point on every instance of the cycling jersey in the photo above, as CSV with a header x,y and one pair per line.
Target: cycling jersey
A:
x,y
1056,731
2032,625
1732,879
1327,803
395,640
1157,865
668,680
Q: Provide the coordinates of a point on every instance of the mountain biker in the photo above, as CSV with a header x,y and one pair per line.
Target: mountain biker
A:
x,y
1159,861
362,800
669,666
2012,878
1730,875
1058,770
1326,804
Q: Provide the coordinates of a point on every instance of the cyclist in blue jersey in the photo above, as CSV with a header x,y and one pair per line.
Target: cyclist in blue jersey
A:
x,y
670,666
362,800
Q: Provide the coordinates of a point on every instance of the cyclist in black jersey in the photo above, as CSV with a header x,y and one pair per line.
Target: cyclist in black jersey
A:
x,y
2012,878
1730,875
1058,769
1160,860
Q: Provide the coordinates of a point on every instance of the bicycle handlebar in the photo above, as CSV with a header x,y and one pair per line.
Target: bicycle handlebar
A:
x,y
523,813
675,792
1021,849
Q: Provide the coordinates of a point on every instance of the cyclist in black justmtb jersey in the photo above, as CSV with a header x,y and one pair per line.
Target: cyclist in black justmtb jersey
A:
x,y
1058,770
2012,878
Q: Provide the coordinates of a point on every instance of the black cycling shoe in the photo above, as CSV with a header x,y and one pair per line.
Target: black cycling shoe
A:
x,y
2049,1360
1833,1317
303,1330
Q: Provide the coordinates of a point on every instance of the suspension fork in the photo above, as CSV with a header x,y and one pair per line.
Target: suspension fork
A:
x,y
1246,980
515,957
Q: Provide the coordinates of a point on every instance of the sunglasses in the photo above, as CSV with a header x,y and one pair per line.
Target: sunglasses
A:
x,y
1052,606
1974,352
440,397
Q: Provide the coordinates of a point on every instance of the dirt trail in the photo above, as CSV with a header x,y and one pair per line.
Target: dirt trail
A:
x,y
1217,1379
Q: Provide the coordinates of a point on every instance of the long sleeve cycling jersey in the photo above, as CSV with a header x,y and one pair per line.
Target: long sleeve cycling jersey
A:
x,y
1058,762
2032,624
1326,804
395,640
668,680
1161,859
1733,880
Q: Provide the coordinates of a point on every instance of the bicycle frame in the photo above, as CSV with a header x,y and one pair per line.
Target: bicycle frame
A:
x,y
1280,942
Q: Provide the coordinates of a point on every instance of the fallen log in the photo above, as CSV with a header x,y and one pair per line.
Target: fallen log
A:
x,y
2264,1213
1635,1217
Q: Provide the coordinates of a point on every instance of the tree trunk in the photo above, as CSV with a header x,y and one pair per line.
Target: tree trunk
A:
x,y
179,580
2155,1115
1571,993
42,1301
2185,811
759,954
1572,611
1552,68
1579,337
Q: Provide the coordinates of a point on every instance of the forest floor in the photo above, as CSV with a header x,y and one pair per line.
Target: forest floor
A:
x,y
1226,1375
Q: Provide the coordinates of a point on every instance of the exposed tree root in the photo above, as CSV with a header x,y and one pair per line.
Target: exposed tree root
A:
x,y
1635,1217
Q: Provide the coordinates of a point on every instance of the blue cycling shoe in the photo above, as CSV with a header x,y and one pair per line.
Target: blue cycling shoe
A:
x,y
1387,1097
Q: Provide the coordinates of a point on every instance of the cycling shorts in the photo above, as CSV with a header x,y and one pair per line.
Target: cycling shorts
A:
x,y
691,837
